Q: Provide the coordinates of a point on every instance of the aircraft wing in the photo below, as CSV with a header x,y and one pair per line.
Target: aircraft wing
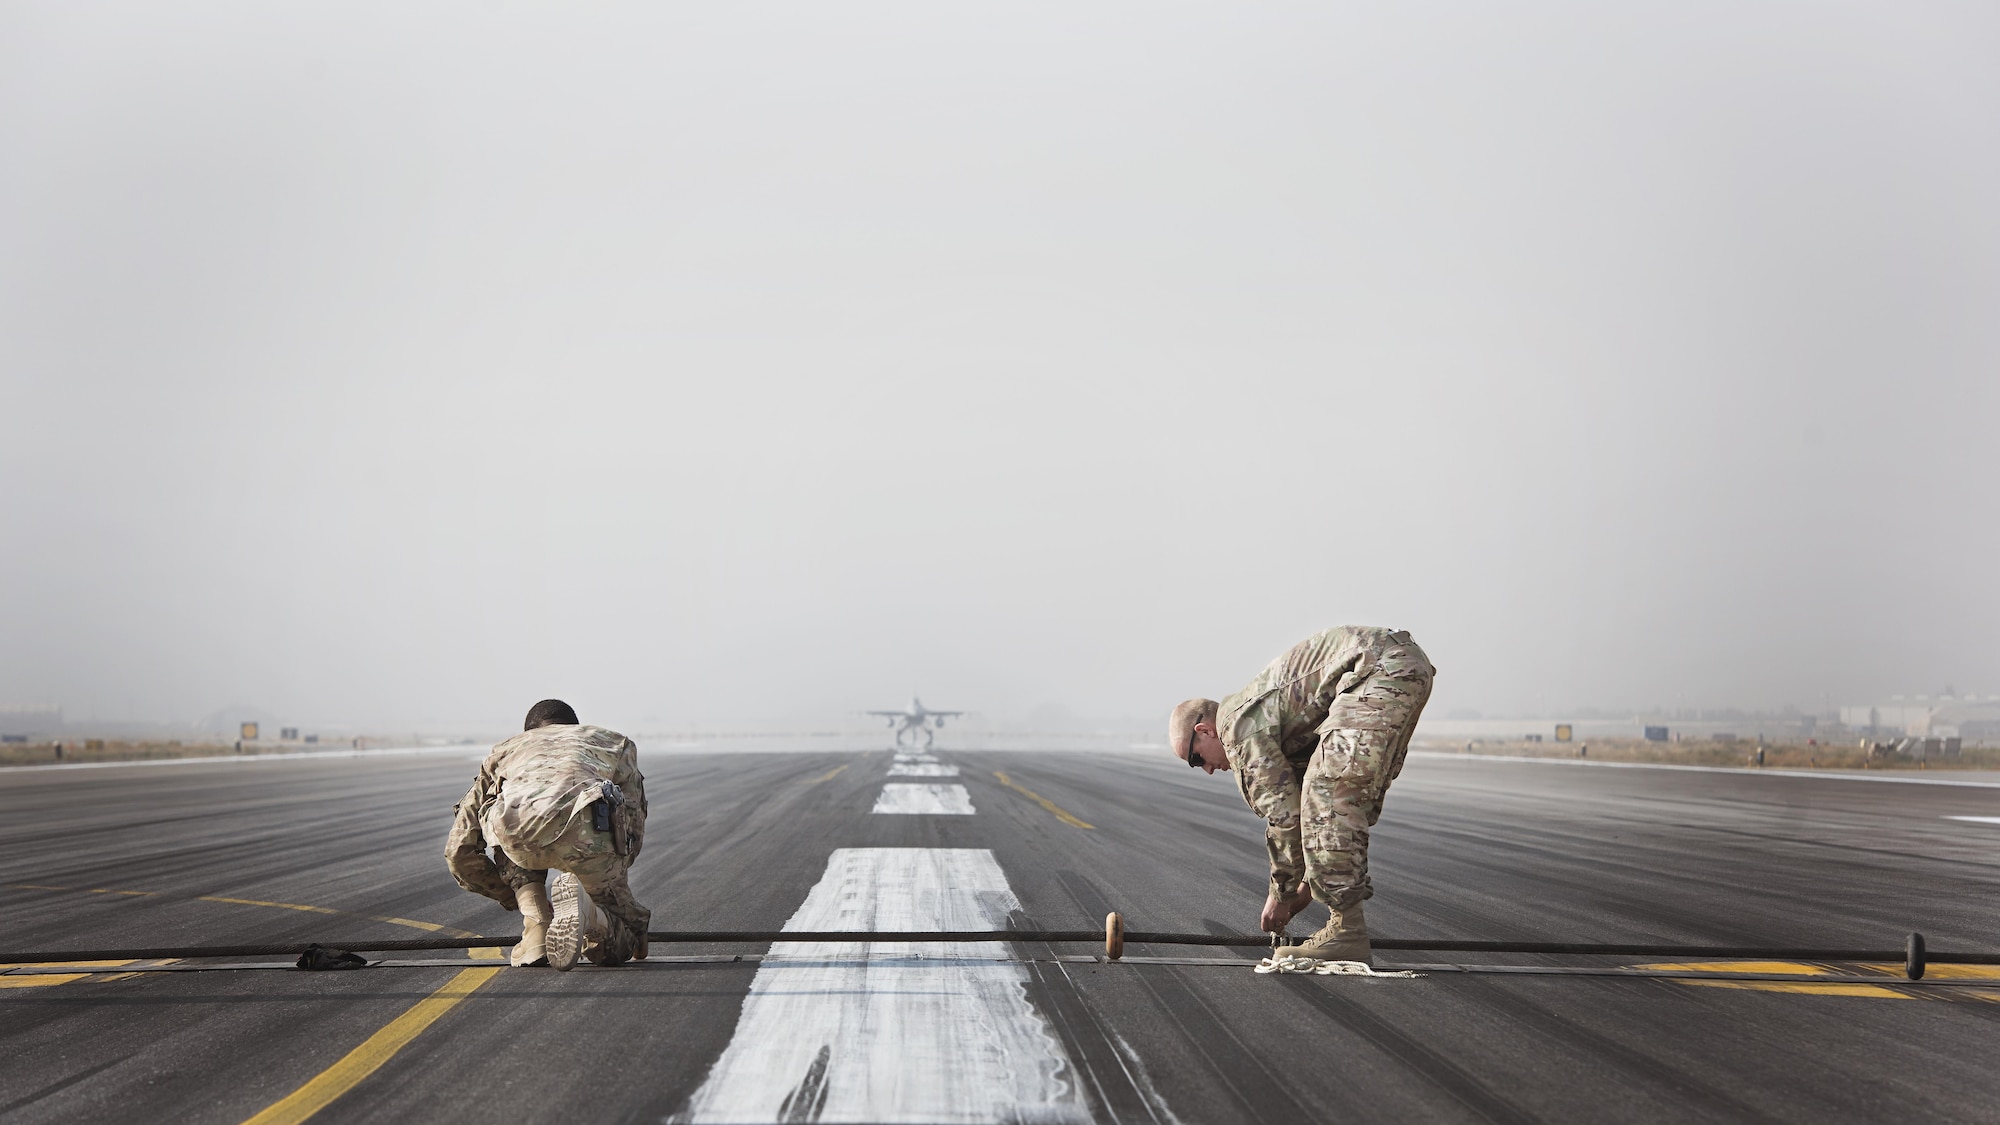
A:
x,y
891,714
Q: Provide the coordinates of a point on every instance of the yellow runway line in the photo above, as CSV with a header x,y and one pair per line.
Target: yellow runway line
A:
x,y
1799,968
44,980
480,954
41,980
377,1049
1795,968
828,775
278,905
107,978
1872,990
1936,971
1030,794
387,919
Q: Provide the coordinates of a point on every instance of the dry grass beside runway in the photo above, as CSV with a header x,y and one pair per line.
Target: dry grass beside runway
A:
x,y
113,750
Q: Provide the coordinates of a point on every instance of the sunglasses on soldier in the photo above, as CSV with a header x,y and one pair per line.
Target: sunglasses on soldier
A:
x,y
1191,759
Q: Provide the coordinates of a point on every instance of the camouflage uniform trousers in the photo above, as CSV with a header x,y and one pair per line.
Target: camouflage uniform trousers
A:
x,y
1341,795
586,853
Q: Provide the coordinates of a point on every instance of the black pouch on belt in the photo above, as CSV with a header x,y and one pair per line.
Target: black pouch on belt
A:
x,y
607,815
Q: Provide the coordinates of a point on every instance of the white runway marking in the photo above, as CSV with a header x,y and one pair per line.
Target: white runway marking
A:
x,y
924,800
1977,819
884,1038
920,759
919,769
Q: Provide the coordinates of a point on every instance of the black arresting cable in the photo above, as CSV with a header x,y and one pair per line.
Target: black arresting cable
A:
x,y
1913,955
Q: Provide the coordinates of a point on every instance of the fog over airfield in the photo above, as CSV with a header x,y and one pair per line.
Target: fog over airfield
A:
x,y
376,363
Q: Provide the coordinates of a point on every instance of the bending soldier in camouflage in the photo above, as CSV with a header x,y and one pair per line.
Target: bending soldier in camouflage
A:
x,y
559,797
1315,741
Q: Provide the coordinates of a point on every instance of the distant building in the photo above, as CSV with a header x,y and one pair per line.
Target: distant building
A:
x,y
1967,722
1897,717
23,719
1962,717
1656,734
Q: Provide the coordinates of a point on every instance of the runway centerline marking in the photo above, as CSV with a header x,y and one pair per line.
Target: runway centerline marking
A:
x,y
904,798
865,1032
1051,806
1977,819
366,1059
920,769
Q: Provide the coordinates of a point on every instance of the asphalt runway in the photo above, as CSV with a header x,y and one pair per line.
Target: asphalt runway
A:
x,y
351,849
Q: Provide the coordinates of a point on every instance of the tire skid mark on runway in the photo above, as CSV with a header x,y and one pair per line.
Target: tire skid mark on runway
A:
x,y
862,1033
1655,1076
1101,1054
1230,1060
327,1086
1442,1074
1223,1062
1093,903
1576,869
1134,1066
60,1085
1096,1049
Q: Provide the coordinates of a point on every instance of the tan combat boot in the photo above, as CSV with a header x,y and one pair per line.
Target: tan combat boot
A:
x,y
577,921
1343,938
533,900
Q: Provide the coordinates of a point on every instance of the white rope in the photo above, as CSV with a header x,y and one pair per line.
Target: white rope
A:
x,y
1323,968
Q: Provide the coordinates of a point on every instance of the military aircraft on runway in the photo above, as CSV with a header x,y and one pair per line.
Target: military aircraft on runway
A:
x,y
917,720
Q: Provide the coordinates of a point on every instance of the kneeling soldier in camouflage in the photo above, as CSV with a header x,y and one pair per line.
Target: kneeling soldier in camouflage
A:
x,y
1315,741
559,797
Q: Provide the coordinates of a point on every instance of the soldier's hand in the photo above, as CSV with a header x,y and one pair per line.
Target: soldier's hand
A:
x,y
1276,913
1279,912
1302,900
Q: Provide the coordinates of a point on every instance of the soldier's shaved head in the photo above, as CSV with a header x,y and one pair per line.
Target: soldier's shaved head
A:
x,y
550,712
1185,715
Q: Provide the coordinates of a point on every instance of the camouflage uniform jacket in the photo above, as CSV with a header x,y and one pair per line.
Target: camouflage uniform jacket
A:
x,y
1272,727
529,789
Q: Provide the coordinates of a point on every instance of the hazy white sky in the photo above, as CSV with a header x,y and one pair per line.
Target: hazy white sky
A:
x,y
383,363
